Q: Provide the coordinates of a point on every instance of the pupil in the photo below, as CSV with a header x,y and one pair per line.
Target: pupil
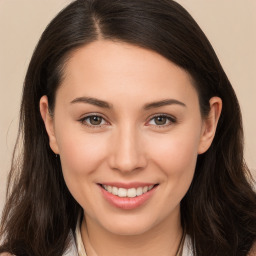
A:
x,y
95,120
160,120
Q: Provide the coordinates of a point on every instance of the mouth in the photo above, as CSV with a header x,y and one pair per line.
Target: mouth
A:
x,y
128,196
128,192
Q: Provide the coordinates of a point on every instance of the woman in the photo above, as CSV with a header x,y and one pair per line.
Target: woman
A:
x,y
132,140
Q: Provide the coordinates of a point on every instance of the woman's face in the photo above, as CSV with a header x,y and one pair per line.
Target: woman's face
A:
x,y
126,119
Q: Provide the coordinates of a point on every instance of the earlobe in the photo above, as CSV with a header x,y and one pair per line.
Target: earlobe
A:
x,y
210,124
49,124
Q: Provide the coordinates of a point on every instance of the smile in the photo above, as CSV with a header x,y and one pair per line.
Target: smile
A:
x,y
131,192
127,196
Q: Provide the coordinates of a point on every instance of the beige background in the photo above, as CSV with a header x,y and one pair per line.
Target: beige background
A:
x,y
229,24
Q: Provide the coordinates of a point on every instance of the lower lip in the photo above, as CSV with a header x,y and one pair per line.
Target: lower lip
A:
x,y
127,203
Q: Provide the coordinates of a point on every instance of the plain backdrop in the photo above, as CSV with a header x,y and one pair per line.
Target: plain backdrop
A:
x,y
230,25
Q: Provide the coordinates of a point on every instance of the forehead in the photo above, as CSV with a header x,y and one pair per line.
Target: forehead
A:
x,y
106,69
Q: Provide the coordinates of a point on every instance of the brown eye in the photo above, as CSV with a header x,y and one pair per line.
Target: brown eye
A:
x,y
160,120
95,120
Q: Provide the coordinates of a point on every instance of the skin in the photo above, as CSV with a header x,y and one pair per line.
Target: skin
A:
x,y
130,145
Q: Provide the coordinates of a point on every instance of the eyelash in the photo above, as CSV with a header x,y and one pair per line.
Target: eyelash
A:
x,y
83,121
170,119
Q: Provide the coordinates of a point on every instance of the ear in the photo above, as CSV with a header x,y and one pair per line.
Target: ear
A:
x,y
49,123
210,124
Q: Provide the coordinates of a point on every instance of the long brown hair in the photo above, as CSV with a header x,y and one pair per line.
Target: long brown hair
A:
x,y
218,211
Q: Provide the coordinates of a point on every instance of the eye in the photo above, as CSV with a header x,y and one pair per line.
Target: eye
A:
x,y
93,120
162,120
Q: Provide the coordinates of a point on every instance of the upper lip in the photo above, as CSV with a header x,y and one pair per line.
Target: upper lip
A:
x,y
127,185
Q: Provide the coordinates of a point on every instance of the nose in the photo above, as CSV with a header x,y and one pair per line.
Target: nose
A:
x,y
127,153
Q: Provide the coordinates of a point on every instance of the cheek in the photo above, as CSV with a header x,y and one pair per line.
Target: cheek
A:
x,y
81,153
176,159
175,154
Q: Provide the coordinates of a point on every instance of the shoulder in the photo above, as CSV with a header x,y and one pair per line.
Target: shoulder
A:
x,y
253,250
6,254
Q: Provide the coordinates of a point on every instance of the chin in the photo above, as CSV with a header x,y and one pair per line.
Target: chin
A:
x,y
129,226
128,231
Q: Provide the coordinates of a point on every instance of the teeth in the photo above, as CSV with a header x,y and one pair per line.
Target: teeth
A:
x,y
131,192
122,192
144,190
139,191
115,191
109,188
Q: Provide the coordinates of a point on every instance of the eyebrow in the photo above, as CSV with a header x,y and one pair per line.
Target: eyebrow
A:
x,y
162,103
92,101
104,104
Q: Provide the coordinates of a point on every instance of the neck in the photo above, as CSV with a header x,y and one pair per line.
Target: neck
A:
x,y
163,239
